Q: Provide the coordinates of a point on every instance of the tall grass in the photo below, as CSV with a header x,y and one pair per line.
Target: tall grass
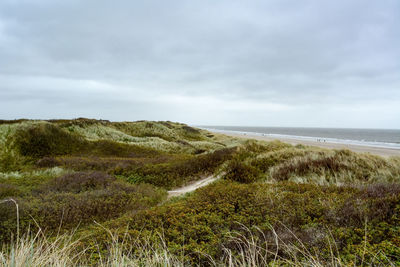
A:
x,y
37,250
66,250
250,248
276,162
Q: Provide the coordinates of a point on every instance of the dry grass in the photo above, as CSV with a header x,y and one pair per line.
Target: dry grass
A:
x,y
253,249
65,250
275,162
37,250
249,248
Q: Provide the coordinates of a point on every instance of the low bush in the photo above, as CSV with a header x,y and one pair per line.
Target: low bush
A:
x,y
47,162
8,190
75,199
73,209
78,182
177,172
111,164
238,171
302,215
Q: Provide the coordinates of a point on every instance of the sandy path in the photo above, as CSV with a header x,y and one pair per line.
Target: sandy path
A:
x,y
192,187
385,152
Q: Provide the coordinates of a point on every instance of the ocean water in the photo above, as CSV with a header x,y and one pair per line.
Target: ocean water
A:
x,y
368,137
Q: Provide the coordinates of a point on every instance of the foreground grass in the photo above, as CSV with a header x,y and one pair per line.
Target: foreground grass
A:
x,y
245,250
37,250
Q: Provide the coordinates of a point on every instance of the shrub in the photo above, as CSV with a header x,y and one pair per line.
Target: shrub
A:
x,y
79,182
241,172
380,190
71,209
7,190
178,171
74,200
114,165
299,214
47,162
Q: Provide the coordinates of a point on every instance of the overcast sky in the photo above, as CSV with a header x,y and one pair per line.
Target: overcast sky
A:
x,y
209,62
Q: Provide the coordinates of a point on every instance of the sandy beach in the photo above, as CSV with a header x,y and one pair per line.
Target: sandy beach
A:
x,y
385,152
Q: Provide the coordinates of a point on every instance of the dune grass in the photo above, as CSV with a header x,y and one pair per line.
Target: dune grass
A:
x,y
276,161
277,204
252,249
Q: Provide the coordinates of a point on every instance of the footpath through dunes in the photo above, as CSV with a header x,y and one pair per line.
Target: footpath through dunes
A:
x,y
192,187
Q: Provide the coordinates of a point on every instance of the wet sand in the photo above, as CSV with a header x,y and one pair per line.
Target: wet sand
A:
x,y
381,151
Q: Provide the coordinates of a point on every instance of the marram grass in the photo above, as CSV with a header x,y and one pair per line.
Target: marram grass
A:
x,y
248,248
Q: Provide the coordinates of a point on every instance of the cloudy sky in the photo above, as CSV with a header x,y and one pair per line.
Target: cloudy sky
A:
x,y
209,62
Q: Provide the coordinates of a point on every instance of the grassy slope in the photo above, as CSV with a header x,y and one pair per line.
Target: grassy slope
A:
x,y
116,173
36,156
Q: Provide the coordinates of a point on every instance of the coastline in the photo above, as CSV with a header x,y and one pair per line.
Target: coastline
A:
x,y
380,151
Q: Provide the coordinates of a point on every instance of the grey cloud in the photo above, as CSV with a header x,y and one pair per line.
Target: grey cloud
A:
x,y
290,53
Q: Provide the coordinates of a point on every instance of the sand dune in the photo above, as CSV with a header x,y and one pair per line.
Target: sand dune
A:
x,y
385,152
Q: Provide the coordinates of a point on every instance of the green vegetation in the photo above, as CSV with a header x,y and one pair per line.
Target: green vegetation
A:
x,y
96,193
276,162
299,214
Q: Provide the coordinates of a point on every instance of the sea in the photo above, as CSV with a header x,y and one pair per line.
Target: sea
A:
x,y
385,138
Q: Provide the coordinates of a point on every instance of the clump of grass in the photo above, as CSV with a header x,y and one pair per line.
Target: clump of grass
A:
x,y
240,172
252,247
337,167
37,250
275,162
